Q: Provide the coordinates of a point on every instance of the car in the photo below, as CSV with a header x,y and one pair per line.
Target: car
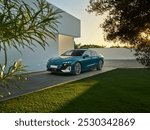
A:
x,y
76,61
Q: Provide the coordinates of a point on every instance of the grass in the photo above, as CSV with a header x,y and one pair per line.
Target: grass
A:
x,y
121,90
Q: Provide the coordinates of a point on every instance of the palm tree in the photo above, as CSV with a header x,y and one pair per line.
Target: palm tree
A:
x,y
24,25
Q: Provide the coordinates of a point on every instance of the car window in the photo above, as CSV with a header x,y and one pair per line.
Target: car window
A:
x,y
87,53
93,53
74,53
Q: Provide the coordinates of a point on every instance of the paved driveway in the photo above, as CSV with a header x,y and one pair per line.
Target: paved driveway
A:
x,y
44,80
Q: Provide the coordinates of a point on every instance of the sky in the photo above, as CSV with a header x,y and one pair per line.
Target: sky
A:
x,y
91,33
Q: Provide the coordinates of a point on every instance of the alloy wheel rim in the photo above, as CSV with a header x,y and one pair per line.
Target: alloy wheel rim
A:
x,y
78,68
100,65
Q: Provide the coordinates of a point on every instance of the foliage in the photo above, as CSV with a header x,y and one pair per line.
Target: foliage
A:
x,y
11,75
24,25
118,46
91,46
86,46
77,46
126,20
143,53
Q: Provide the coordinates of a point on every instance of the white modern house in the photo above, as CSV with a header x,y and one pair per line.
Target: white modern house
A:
x,y
69,29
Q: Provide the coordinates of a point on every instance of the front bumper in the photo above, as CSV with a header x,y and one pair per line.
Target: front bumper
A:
x,y
65,68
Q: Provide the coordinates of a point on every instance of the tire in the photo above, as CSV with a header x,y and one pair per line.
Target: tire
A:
x,y
77,68
100,65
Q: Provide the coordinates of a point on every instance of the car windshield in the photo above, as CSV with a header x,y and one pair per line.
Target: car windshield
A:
x,y
74,53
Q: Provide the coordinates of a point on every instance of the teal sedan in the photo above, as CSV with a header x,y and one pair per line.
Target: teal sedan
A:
x,y
76,61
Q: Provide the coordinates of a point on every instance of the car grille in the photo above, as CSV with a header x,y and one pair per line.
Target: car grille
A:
x,y
64,66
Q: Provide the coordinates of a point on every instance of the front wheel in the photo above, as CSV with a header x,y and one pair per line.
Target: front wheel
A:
x,y
77,68
100,65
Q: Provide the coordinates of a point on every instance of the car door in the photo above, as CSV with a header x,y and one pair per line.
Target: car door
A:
x,y
94,58
86,62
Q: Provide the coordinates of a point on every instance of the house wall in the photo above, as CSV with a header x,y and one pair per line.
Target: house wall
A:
x,y
65,43
34,60
116,53
69,25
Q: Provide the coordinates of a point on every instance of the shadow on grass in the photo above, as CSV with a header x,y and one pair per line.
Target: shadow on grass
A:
x,y
116,91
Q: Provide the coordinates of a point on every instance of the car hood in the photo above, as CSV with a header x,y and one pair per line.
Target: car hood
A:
x,y
61,59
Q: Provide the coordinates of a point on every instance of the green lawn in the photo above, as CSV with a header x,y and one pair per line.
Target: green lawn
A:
x,y
121,90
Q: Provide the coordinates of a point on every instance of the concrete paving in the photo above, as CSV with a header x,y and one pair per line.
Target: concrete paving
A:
x,y
43,80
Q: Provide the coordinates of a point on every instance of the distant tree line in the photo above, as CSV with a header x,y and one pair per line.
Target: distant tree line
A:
x,y
86,46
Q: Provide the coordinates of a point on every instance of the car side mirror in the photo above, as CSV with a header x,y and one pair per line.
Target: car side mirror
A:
x,y
85,56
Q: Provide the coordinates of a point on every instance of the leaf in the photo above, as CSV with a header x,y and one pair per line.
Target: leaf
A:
x,y
21,25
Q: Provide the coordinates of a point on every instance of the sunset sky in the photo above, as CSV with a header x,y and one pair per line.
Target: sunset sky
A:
x,y
91,33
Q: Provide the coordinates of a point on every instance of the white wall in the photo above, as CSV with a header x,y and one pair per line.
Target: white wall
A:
x,y
69,25
35,61
65,43
116,53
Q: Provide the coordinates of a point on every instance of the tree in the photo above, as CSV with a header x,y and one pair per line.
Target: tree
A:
x,y
77,45
85,46
24,25
128,21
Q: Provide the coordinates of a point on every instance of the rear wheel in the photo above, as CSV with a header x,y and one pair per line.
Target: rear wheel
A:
x,y
100,65
77,68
